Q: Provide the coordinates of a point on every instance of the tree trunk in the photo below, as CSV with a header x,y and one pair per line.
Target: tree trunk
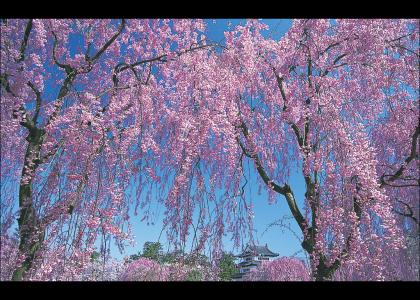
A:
x,y
321,272
31,233
324,272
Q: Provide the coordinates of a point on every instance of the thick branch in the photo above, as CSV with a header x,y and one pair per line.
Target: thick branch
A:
x,y
38,101
5,84
283,190
280,85
161,58
328,48
413,155
297,133
334,66
410,213
26,122
109,42
283,95
24,41
309,69
65,67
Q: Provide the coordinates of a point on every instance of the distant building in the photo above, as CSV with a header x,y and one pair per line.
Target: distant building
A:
x,y
251,257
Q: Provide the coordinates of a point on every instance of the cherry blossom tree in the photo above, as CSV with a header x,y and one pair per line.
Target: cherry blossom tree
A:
x,y
337,99
144,269
282,269
80,102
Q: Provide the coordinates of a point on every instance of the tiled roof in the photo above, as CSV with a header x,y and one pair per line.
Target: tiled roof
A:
x,y
257,250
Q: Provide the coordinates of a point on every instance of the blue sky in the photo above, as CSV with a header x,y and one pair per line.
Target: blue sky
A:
x,y
279,239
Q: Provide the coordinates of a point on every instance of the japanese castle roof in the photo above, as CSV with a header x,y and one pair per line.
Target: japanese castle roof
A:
x,y
253,250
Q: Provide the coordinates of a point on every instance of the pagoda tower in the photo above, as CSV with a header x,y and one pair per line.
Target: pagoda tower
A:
x,y
251,257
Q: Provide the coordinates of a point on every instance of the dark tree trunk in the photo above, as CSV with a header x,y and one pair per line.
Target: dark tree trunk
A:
x,y
321,271
31,232
324,272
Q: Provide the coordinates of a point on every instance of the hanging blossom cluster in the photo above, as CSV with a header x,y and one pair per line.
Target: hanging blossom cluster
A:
x,y
282,269
145,269
9,256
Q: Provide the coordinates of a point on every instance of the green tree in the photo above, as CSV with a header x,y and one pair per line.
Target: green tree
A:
x,y
152,250
94,256
194,275
227,266
134,257
168,258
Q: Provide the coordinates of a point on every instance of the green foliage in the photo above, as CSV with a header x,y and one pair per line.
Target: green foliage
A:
x,y
194,275
227,267
167,258
152,250
94,256
134,257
